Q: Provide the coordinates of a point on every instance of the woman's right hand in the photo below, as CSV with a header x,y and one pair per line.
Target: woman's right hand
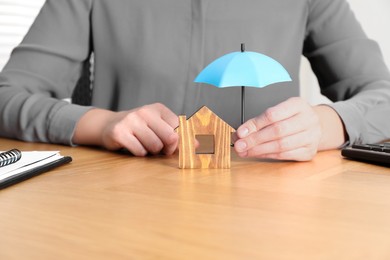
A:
x,y
147,129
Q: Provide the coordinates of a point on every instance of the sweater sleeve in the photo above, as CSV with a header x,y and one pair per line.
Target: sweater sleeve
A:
x,y
350,70
42,71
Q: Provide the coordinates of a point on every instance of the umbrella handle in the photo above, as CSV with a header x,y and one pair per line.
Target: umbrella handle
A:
x,y
242,93
242,104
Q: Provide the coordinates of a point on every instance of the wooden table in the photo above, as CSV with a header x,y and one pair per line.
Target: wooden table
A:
x,y
106,205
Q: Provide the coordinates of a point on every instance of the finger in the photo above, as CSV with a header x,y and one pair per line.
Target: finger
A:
x,y
300,147
163,130
274,114
148,138
171,148
168,116
140,130
133,145
275,131
161,120
162,124
168,135
281,145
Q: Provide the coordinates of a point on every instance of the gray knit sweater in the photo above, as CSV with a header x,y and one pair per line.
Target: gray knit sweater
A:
x,y
151,51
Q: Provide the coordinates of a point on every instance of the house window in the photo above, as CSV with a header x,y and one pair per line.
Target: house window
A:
x,y
205,144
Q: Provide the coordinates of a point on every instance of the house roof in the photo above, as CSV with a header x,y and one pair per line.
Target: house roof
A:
x,y
208,117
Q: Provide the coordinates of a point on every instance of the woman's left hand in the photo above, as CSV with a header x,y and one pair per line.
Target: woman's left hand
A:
x,y
290,130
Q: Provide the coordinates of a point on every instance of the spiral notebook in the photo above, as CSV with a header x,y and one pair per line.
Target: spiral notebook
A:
x,y
17,166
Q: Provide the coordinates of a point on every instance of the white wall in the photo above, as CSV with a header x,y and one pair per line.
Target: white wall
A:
x,y
16,17
375,20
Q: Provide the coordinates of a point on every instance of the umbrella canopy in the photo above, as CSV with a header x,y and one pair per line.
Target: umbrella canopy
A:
x,y
251,69
245,68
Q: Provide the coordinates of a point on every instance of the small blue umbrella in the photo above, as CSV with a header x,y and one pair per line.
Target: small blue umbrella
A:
x,y
245,68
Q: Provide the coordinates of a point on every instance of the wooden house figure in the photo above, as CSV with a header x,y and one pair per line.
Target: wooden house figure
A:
x,y
204,123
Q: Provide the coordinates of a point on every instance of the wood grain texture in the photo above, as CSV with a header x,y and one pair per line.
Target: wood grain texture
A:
x,y
107,205
204,122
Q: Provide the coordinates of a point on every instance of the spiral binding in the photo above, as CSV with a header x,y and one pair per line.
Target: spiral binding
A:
x,y
10,157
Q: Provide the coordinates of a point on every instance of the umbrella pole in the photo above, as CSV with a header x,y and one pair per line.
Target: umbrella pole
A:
x,y
242,93
242,104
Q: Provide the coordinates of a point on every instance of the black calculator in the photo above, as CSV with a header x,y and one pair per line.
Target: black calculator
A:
x,y
371,153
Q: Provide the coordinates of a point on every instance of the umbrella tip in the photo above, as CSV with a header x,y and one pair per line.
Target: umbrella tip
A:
x,y
242,47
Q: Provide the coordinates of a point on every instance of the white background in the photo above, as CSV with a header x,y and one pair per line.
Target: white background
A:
x,y
375,20
17,15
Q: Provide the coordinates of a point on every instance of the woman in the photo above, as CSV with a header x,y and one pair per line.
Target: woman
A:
x,y
146,55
